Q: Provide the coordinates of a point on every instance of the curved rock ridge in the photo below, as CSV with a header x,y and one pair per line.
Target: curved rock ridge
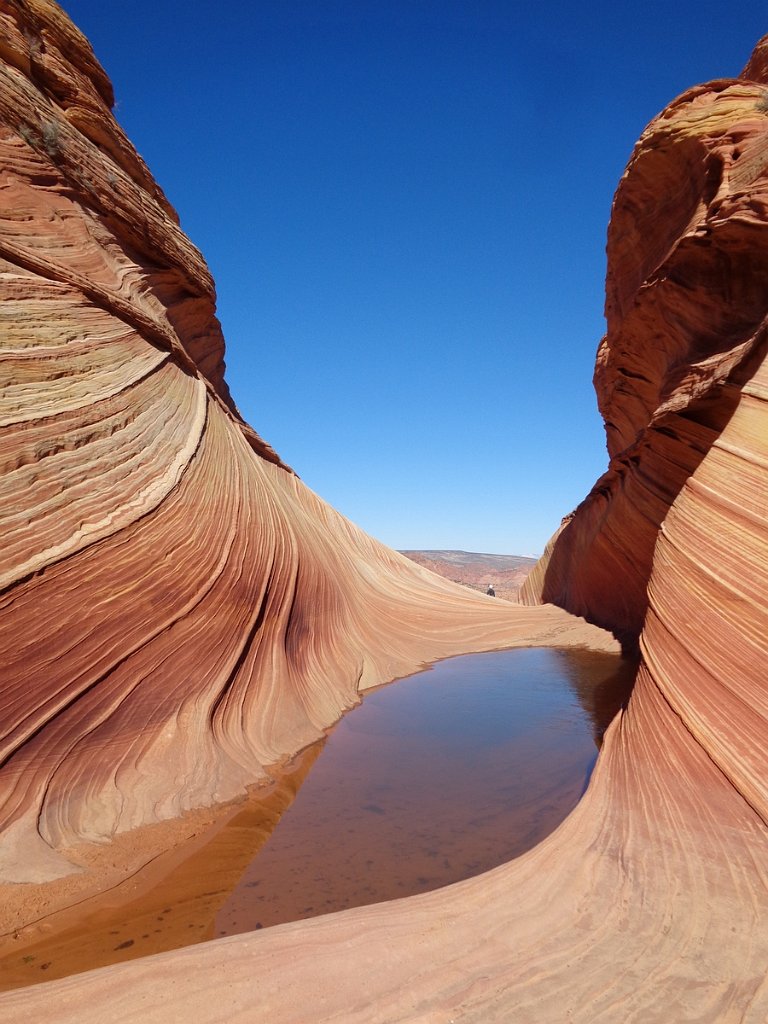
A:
x,y
686,307
649,903
178,611
671,545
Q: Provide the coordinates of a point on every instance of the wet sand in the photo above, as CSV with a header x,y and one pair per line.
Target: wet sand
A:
x,y
164,902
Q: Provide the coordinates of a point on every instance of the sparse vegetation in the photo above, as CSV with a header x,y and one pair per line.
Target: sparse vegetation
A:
x,y
47,139
27,134
762,103
51,138
34,41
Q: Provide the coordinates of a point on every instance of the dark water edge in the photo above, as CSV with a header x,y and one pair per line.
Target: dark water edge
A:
x,y
440,777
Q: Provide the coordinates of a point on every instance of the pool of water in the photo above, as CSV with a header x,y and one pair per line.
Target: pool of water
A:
x,y
447,774
433,779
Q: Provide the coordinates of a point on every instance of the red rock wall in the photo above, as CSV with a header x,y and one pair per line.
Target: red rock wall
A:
x,y
670,548
686,308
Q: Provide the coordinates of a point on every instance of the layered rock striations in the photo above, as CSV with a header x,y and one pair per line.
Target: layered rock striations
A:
x,y
686,307
230,610
671,545
177,610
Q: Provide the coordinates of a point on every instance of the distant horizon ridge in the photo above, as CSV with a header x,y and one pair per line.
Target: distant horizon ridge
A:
x,y
463,551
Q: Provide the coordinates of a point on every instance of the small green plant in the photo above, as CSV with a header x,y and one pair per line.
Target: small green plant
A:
x,y
48,139
762,103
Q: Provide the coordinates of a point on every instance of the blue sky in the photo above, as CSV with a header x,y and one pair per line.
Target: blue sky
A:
x,y
404,207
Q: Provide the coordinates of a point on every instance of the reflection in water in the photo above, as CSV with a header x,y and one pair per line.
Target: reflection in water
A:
x,y
445,775
602,684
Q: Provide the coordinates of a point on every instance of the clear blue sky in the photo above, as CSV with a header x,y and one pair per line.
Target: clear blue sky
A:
x,y
404,206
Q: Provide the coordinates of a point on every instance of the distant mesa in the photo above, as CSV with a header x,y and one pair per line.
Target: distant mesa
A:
x,y
476,570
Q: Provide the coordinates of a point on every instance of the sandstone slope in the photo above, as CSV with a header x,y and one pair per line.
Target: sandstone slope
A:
x,y
650,901
177,610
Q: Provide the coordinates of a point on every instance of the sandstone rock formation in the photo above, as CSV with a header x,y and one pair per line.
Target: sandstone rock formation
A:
x,y
685,305
147,494
178,610
671,545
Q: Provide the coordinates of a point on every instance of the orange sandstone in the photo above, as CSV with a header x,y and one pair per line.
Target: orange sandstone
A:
x,y
230,615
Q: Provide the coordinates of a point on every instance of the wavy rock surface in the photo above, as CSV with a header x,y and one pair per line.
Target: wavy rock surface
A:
x,y
178,611
650,901
686,307
672,543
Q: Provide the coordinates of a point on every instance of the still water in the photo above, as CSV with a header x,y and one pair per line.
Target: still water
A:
x,y
449,773
436,778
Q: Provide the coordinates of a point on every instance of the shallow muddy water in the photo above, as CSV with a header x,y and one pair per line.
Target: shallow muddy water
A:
x,y
436,778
